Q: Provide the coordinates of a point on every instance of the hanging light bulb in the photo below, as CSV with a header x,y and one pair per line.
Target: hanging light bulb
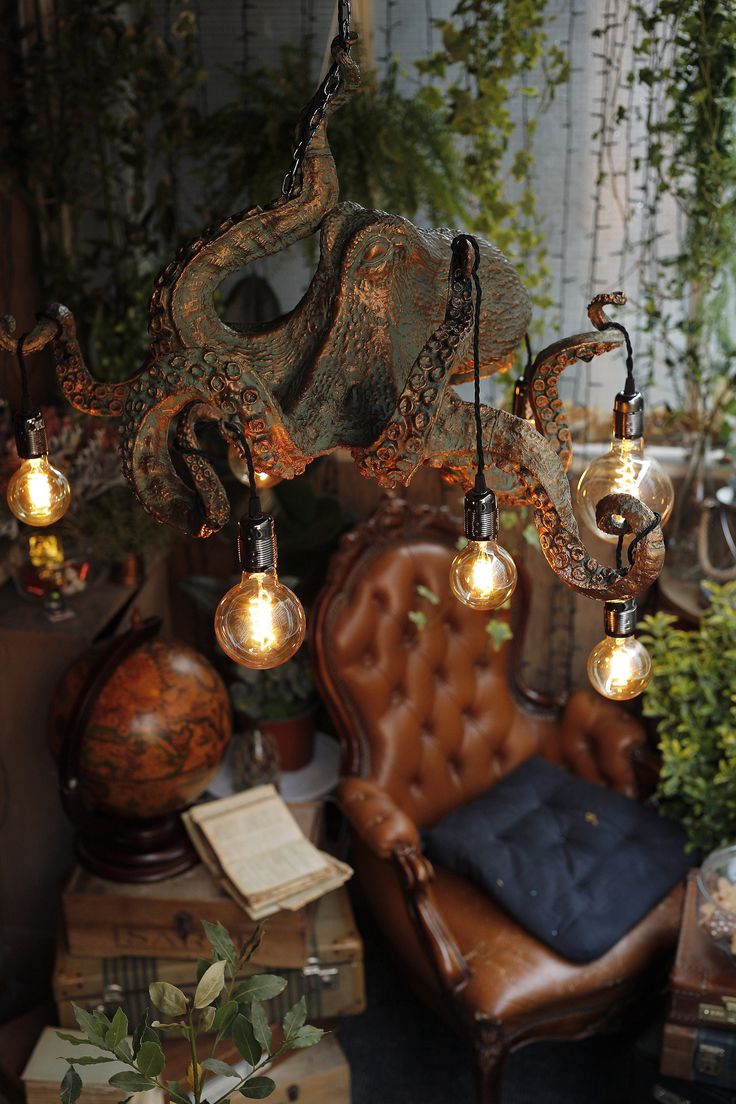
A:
x,y
38,494
259,622
620,667
625,469
239,468
483,574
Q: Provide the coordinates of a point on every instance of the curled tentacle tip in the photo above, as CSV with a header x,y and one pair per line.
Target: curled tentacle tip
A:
x,y
623,513
597,315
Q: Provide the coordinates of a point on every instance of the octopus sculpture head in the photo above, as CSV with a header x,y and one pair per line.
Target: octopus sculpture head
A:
x,y
367,361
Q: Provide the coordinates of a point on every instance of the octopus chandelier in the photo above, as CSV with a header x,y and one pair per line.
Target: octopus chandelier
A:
x,y
366,362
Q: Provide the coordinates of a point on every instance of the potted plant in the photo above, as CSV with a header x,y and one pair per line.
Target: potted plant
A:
x,y
692,696
282,703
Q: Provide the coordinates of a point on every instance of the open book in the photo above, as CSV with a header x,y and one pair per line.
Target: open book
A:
x,y
256,849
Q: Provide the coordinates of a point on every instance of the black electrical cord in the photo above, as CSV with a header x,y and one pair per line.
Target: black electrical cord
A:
x,y
640,536
630,385
254,502
25,392
468,239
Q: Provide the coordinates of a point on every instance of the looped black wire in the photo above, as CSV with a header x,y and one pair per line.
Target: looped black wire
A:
x,y
254,502
469,240
640,536
25,392
630,385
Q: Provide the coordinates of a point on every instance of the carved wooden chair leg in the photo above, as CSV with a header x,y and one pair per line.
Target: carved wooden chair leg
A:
x,y
491,1049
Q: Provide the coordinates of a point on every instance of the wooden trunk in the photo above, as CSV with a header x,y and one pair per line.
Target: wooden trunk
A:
x,y
164,920
331,979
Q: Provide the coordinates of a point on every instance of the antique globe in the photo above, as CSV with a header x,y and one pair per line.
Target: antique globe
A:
x,y
139,727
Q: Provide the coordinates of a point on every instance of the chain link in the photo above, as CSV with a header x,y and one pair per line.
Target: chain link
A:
x,y
314,113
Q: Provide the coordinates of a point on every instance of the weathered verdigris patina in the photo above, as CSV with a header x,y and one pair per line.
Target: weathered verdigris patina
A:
x,y
366,361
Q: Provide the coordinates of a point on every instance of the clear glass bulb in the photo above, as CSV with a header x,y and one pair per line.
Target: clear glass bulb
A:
x,y
260,622
625,469
37,493
239,468
619,667
483,575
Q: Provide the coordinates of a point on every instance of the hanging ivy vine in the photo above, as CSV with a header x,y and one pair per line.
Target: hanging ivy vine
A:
x,y
686,64
496,53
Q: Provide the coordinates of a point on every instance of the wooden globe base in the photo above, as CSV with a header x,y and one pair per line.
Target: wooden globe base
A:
x,y
135,851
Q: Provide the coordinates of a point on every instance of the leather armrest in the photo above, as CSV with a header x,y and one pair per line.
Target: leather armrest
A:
x,y
372,813
392,835
599,741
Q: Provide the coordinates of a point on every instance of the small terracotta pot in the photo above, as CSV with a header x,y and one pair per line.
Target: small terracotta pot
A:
x,y
294,738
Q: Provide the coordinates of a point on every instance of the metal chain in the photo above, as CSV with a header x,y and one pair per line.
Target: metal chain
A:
x,y
314,113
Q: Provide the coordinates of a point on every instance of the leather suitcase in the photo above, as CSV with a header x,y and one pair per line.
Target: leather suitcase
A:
x,y
331,978
164,919
703,981
648,1084
702,1054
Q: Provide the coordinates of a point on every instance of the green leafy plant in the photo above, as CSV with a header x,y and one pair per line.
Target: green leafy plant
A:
x,y
490,49
393,150
222,1008
692,696
685,64
104,112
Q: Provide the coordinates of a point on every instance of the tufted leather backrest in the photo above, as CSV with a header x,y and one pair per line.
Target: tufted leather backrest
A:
x,y
427,710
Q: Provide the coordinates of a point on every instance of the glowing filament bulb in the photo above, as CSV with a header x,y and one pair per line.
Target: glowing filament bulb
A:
x,y
620,667
483,574
37,493
258,618
625,469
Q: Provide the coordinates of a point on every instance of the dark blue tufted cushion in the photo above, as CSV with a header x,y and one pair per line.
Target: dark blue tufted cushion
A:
x,y
576,864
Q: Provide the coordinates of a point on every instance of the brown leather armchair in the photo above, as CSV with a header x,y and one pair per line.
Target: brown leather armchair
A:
x,y
430,718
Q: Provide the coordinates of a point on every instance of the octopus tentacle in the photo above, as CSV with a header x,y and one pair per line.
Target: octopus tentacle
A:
x,y
78,385
521,451
398,452
149,468
550,416
182,307
212,497
56,327
38,338
597,315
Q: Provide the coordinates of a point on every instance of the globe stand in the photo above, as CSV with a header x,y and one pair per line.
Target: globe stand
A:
x,y
135,851
113,847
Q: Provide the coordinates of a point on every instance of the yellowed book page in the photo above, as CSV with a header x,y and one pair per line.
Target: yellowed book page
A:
x,y
258,842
